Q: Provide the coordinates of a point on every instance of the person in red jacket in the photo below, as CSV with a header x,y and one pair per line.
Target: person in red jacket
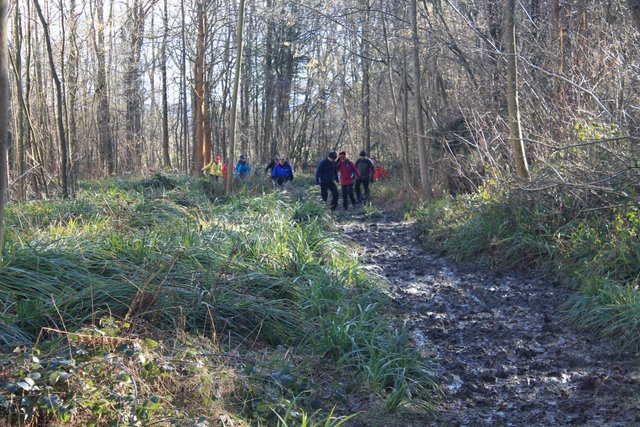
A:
x,y
379,171
347,172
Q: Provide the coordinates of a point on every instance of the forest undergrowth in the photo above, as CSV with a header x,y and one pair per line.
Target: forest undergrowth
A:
x,y
587,237
142,301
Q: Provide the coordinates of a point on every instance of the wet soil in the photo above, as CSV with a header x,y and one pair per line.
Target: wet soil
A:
x,y
505,357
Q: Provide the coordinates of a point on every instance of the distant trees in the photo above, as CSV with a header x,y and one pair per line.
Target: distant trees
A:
x,y
433,89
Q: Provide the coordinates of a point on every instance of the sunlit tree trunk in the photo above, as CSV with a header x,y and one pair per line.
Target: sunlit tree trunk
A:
x,y
269,82
72,77
21,112
4,111
59,104
166,158
515,129
234,99
202,130
133,84
184,98
366,87
103,114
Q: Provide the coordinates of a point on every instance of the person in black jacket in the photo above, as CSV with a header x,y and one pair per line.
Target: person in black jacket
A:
x,y
365,175
327,177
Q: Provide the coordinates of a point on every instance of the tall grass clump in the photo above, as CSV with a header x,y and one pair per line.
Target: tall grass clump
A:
x,y
251,267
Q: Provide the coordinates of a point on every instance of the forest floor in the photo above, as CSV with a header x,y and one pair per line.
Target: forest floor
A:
x,y
503,354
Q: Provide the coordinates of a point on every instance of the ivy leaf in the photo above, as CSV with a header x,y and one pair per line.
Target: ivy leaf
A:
x,y
26,384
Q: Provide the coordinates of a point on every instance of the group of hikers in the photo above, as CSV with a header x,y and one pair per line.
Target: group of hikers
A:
x,y
335,169
281,170
215,169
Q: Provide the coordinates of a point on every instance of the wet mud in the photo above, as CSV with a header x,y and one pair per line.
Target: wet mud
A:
x,y
505,357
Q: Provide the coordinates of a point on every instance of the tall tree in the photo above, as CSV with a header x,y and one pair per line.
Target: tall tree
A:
x,y
366,86
200,113
425,177
72,77
133,84
166,158
4,111
103,114
515,128
236,89
21,131
64,161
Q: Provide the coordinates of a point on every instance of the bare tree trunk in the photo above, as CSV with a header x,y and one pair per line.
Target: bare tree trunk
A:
x,y
404,159
404,95
72,77
22,166
39,181
234,99
4,112
366,87
515,129
132,86
185,105
419,117
59,104
269,82
166,158
105,136
199,113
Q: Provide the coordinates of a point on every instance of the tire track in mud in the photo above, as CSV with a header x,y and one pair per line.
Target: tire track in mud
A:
x,y
505,357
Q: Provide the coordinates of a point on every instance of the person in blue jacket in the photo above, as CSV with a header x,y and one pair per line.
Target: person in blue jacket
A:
x,y
327,177
242,169
282,172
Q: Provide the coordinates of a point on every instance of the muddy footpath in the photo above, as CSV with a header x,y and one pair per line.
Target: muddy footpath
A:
x,y
504,356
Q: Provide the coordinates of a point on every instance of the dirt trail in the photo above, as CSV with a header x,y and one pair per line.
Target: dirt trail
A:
x,y
505,357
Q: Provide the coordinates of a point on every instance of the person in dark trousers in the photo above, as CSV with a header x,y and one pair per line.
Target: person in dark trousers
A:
x,y
282,172
365,175
347,172
327,177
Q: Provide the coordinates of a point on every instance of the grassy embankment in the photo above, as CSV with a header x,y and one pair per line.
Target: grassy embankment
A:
x,y
143,302
586,240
